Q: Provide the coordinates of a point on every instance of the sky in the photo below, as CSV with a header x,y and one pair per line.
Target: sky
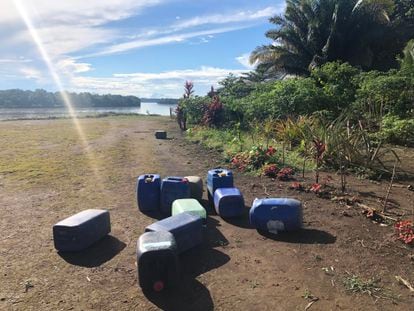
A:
x,y
147,48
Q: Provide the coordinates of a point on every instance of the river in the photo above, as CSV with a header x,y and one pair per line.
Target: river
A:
x,y
34,113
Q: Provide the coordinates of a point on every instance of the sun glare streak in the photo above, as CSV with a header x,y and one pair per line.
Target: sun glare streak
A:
x,y
58,82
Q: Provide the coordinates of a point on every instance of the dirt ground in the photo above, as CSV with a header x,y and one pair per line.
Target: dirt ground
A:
x,y
47,174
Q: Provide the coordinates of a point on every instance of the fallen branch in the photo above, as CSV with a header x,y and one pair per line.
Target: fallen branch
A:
x,y
405,283
373,211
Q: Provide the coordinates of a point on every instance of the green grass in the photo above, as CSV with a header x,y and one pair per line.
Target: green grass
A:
x,y
355,284
49,151
229,143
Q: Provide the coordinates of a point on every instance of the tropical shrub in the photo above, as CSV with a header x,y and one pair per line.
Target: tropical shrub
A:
x,y
194,108
253,159
339,82
397,131
213,114
382,93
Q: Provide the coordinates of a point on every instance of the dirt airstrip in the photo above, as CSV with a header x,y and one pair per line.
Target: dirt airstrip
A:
x,y
47,174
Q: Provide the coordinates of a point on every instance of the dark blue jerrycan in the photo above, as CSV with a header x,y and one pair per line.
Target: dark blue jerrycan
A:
x,y
186,228
228,202
173,188
148,192
276,214
218,178
81,230
157,261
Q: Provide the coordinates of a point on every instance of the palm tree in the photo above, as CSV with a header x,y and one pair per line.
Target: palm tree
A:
x,y
313,32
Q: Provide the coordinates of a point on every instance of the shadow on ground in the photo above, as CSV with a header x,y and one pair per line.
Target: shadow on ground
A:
x,y
209,206
94,256
154,214
304,236
242,221
213,235
191,294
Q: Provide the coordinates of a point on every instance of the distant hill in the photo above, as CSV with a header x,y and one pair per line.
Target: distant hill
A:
x,y
162,101
16,98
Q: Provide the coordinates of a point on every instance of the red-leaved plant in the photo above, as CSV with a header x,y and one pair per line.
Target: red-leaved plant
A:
x,y
213,114
256,158
270,151
270,170
319,149
405,231
188,89
316,188
285,174
297,186
240,161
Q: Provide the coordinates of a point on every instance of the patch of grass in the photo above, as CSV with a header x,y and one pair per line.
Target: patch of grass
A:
x,y
212,138
355,284
48,152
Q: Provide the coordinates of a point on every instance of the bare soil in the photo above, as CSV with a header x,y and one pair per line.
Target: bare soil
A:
x,y
46,174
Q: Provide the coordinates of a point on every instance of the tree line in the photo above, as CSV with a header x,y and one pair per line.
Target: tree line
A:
x,y
16,98
162,101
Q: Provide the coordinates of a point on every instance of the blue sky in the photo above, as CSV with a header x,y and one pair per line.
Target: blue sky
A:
x,y
146,48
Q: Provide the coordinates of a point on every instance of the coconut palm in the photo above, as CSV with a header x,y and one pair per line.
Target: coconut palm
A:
x,y
313,32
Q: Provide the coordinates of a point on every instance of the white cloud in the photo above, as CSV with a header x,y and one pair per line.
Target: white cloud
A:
x,y
168,83
63,40
245,61
31,73
67,26
69,65
14,60
141,43
235,17
86,12
173,33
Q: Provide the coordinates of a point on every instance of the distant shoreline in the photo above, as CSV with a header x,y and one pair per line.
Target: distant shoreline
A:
x,y
94,116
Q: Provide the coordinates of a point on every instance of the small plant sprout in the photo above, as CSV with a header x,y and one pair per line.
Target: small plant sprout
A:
x,y
308,295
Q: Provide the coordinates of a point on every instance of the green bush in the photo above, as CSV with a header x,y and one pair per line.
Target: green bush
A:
x,y
194,108
280,100
397,131
382,93
339,82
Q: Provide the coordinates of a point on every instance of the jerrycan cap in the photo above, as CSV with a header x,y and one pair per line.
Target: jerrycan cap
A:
x,y
149,178
158,286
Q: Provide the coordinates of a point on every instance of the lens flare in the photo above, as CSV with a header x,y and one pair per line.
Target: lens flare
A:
x,y
58,82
